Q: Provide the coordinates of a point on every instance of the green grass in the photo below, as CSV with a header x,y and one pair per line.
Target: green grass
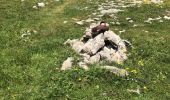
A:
x,y
28,66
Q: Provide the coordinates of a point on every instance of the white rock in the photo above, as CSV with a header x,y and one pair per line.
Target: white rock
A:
x,y
75,19
67,64
161,21
106,54
86,57
135,25
76,44
80,22
35,7
116,71
128,18
83,65
123,31
110,11
89,20
167,17
111,36
41,4
112,55
156,1
131,21
65,22
94,59
134,91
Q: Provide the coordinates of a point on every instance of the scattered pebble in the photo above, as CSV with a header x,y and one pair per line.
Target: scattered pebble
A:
x,y
131,21
35,7
134,91
41,4
65,22
123,31
135,25
116,71
167,17
89,20
80,22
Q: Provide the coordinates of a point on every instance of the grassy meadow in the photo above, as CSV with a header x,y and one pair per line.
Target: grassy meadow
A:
x,y
29,65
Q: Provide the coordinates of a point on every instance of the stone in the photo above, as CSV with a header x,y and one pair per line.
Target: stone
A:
x,y
93,45
110,11
83,65
41,4
80,22
111,36
67,64
94,59
156,1
65,22
167,17
116,71
76,44
105,54
134,91
89,20
35,7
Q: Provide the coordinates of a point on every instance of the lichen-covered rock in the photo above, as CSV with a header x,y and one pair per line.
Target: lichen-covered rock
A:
x,y
67,64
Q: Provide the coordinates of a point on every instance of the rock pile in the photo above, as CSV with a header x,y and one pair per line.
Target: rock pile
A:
x,y
106,46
